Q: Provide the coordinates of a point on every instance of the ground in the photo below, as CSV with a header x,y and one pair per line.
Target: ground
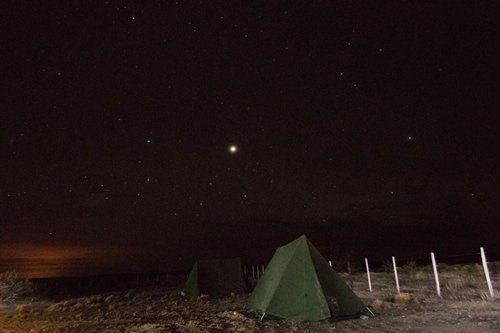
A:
x,y
157,306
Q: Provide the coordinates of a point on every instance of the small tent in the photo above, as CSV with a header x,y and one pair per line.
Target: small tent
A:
x,y
298,284
218,277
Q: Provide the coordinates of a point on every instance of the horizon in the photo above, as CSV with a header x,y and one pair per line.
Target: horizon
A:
x,y
68,261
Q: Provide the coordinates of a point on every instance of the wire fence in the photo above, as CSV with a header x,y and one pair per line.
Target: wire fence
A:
x,y
255,272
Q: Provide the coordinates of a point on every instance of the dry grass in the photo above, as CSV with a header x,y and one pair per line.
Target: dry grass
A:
x,y
160,308
13,287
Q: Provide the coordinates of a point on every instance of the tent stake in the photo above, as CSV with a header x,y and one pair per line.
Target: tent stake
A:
x,y
371,312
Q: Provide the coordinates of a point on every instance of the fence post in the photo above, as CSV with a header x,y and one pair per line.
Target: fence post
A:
x,y
395,273
368,275
253,272
258,273
486,272
436,277
263,269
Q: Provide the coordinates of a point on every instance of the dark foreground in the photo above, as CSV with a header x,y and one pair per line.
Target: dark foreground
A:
x,y
158,307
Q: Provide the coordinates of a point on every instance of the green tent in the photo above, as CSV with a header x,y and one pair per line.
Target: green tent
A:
x,y
217,277
298,284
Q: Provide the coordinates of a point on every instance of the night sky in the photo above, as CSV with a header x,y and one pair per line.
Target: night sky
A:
x,y
163,131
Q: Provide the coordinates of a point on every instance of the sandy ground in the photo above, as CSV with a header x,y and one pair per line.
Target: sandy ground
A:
x,y
158,307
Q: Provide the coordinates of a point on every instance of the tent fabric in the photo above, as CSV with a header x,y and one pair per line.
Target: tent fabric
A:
x,y
218,277
298,284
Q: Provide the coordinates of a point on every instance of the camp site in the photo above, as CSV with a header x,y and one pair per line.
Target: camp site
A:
x,y
297,290
199,166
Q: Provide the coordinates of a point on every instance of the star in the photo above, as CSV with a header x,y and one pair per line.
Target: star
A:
x,y
233,149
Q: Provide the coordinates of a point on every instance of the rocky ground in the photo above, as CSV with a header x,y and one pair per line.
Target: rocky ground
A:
x,y
158,307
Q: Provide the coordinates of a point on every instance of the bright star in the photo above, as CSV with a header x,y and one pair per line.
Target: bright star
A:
x,y
233,149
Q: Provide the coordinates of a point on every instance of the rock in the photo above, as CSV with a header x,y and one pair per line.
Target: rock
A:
x,y
109,299
54,307
69,303
21,308
401,298
378,305
192,324
232,315
148,328
363,317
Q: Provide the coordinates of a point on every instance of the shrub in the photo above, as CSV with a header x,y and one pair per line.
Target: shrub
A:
x,y
12,287
443,267
410,268
427,269
387,266
494,267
